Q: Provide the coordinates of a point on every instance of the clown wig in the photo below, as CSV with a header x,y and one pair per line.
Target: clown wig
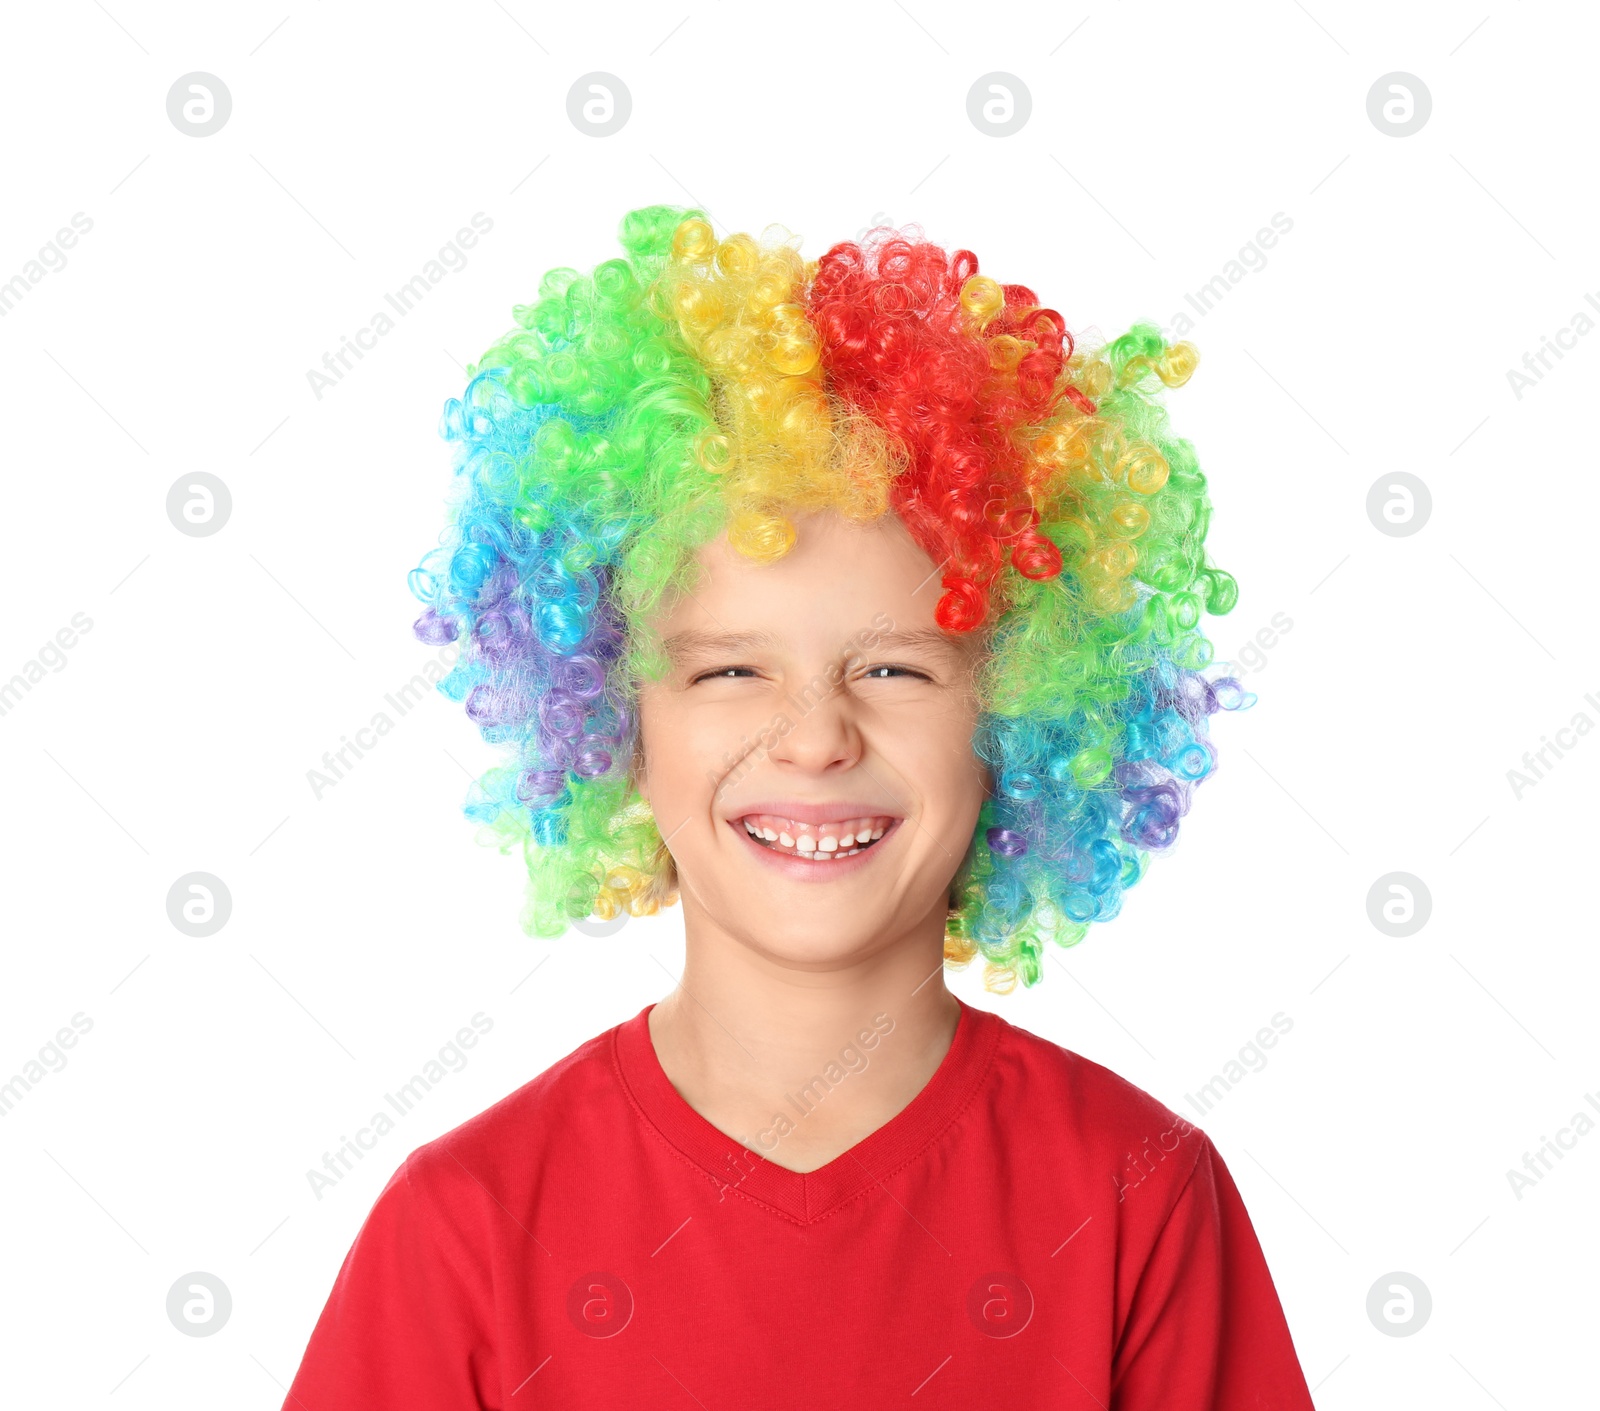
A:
x,y
695,386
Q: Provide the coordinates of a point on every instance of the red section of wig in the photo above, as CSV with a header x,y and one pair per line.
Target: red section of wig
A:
x,y
897,344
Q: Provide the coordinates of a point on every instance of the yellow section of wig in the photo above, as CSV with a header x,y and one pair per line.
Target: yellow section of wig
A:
x,y
781,443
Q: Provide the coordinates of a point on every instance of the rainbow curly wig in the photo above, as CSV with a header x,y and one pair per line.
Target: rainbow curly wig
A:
x,y
697,385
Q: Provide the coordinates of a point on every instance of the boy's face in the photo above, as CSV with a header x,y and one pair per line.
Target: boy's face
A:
x,y
808,756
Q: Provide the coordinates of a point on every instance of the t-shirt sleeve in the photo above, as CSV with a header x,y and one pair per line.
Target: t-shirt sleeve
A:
x,y
1205,1330
406,1323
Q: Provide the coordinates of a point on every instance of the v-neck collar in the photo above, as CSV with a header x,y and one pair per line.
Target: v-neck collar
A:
x,y
805,1196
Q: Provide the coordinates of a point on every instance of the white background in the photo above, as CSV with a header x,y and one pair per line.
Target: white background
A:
x,y
367,927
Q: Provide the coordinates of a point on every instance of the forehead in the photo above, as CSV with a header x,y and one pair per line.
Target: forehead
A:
x,y
690,645
839,581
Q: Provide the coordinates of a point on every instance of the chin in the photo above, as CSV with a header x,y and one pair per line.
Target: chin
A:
x,y
816,931
801,945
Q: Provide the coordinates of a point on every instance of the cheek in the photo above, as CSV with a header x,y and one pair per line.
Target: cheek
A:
x,y
715,734
689,748
932,748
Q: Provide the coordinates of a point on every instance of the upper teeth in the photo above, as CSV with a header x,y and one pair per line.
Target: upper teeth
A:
x,y
817,841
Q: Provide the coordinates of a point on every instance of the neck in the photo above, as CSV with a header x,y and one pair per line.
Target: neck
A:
x,y
801,1064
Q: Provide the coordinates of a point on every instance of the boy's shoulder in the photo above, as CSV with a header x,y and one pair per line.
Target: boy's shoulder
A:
x,y
572,1093
1090,1113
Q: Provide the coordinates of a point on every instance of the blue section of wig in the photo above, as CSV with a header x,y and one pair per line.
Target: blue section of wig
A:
x,y
1077,849
526,597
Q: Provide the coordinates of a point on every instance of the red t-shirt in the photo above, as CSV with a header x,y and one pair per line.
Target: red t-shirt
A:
x,y
1031,1231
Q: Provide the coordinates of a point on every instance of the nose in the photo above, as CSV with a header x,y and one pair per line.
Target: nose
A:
x,y
826,734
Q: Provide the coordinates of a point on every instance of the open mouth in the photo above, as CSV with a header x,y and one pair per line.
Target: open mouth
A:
x,y
815,842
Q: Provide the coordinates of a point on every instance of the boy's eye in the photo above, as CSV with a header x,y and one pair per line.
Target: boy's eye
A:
x,y
884,672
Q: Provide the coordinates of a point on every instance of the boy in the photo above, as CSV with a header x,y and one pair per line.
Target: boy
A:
x,y
705,495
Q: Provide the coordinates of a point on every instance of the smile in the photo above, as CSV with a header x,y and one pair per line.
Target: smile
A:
x,y
815,843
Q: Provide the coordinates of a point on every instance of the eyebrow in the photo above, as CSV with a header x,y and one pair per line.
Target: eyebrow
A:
x,y
916,637
687,645
695,644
